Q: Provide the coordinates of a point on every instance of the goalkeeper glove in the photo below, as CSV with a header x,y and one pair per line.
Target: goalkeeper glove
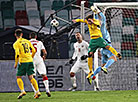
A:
x,y
95,9
84,57
71,61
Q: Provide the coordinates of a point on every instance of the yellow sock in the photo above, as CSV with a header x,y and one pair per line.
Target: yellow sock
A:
x,y
20,84
113,51
34,83
90,63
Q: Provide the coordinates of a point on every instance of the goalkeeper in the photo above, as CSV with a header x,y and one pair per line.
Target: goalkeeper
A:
x,y
107,57
96,40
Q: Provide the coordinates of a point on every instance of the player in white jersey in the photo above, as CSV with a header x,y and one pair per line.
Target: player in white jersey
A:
x,y
80,49
38,61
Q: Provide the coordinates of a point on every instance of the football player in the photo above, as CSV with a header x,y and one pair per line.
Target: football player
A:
x,y
39,65
80,50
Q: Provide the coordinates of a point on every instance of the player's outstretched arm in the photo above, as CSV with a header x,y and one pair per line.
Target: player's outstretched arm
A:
x,y
79,20
95,9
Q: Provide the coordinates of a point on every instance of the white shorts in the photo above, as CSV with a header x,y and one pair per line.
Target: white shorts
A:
x,y
40,68
80,66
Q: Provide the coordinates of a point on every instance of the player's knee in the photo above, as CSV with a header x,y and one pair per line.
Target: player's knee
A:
x,y
72,74
90,54
107,47
114,58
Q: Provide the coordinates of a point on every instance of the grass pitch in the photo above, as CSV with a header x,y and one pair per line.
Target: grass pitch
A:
x,y
76,96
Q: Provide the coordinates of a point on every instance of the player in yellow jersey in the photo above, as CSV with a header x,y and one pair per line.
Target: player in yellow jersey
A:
x,y
96,40
24,62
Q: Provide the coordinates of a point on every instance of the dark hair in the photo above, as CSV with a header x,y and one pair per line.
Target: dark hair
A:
x,y
18,32
33,34
89,16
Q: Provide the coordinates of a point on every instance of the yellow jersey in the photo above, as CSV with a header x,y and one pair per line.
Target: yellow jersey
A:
x,y
94,28
22,49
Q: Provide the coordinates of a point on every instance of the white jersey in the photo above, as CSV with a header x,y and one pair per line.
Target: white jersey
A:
x,y
80,50
38,45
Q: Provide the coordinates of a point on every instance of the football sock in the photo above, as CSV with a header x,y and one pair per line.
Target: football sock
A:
x,y
109,63
45,81
35,85
95,84
33,88
96,71
73,80
20,84
113,51
90,63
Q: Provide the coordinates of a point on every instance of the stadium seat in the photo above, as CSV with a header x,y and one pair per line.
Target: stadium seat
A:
x,y
33,14
31,5
22,21
18,5
136,37
128,38
128,21
8,14
128,13
46,15
56,5
45,5
9,23
116,33
6,5
129,29
34,22
128,53
117,46
117,17
137,48
21,14
75,13
127,46
64,15
136,29
1,23
66,3
136,21
136,13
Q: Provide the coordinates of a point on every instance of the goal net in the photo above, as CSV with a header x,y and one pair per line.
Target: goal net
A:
x,y
122,24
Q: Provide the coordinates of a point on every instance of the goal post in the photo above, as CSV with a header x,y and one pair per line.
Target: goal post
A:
x,y
122,24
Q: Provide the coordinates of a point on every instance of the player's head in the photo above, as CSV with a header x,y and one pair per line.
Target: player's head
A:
x,y
33,35
18,33
78,36
89,18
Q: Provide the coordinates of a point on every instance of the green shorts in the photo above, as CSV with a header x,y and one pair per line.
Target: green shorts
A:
x,y
24,68
97,43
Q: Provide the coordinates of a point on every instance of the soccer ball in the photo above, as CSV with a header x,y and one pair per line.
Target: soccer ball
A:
x,y
54,23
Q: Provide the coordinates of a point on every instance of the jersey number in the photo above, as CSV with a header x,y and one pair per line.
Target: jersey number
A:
x,y
26,49
35,46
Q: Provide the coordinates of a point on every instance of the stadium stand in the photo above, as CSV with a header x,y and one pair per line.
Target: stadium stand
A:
x,y
18,5
31,5
45,5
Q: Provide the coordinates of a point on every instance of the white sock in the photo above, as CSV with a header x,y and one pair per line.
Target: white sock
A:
x,y
46,85
23,90
33,88
73,80
95,84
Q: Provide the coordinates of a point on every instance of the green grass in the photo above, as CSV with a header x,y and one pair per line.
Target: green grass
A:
x,y
77,96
